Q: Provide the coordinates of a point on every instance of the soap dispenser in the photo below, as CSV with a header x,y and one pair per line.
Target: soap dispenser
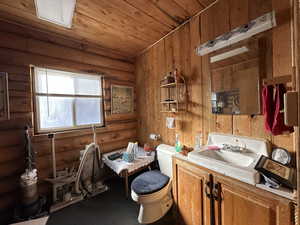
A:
x,y
178,145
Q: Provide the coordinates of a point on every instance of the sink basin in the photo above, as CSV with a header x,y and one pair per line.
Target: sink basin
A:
x,y
239,165
236,165
238,159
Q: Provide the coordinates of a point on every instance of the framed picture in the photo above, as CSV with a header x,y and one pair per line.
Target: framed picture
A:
x,y
275,170
122,98
4,100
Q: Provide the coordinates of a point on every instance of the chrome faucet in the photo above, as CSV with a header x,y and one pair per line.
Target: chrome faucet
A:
x,y
241,144
234,148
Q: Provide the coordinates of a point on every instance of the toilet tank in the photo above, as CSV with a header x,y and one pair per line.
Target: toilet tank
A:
x,y
164,157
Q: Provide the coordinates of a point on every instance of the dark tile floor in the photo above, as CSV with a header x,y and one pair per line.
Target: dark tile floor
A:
x,y
108,208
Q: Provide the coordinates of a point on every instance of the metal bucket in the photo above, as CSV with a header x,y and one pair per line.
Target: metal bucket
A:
x,y
29,194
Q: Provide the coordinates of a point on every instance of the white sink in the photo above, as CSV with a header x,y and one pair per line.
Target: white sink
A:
x,y
239,165
233,158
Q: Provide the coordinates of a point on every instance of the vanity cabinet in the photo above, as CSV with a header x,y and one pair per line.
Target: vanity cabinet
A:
x,y
188,193
245,205
234,202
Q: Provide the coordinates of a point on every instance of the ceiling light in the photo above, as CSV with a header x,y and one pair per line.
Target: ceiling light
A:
x,y
59,12
228,54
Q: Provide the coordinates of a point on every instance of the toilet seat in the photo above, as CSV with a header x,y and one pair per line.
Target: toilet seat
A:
x,y
149,182
153,197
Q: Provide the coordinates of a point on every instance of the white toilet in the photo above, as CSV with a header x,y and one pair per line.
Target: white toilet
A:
x,y
152,189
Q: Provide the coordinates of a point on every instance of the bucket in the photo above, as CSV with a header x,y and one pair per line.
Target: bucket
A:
x,y
28,183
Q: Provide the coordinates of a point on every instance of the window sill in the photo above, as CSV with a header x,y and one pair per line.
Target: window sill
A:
x,y
69,133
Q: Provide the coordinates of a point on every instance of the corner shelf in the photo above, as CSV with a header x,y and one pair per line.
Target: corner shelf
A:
x,y
171,85
173,96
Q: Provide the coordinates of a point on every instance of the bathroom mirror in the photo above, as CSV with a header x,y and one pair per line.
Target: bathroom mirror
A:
x,y
236,72
4,102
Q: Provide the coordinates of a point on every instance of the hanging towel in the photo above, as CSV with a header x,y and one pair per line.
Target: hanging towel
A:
x,y
273,110
278,123
268,107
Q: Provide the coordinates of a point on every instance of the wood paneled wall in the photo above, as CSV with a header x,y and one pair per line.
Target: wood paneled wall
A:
x,y
178,51
17,52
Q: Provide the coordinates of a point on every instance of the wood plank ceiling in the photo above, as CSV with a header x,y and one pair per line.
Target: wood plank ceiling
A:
x,y
125,26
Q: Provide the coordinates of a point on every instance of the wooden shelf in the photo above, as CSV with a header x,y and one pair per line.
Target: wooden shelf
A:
x,y
170,85
169,102
278,80
173,96
167,111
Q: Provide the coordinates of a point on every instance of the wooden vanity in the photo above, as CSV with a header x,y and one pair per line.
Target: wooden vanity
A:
x,y
227,202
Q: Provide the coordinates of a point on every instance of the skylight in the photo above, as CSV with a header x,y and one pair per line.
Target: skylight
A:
x,y
59,12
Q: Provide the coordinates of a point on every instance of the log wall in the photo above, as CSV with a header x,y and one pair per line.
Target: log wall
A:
x,y
20,48
178,51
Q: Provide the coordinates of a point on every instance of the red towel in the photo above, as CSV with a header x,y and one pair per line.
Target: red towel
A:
x,y
268,107
278,124
273,110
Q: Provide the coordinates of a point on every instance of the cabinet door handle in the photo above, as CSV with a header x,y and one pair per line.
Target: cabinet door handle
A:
x,y
217,193
207,189
209,186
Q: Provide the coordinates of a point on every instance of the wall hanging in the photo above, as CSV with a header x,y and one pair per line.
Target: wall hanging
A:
x,y
122,98
4,99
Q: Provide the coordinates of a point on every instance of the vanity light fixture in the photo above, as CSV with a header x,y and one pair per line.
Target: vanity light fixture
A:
x,y
59,12
228,54
261,24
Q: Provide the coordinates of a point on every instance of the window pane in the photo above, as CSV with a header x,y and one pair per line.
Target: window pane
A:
x,y
88,111
60,84
88,85
54,82
40,80
55,112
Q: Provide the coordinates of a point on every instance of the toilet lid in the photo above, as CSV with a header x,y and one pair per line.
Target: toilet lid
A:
x,y
149,182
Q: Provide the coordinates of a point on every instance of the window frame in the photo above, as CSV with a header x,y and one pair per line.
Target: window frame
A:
x,y
36,119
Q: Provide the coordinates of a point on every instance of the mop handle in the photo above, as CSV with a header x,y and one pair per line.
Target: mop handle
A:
x,y
52,137
28,146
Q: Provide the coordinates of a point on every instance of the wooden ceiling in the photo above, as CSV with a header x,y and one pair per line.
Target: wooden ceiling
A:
x,y
126,26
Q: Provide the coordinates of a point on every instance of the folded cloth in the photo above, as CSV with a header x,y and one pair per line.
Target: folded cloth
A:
x,y
212,147
278,123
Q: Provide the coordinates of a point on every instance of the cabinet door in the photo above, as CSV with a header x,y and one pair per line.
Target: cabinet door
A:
x,y
238,206
189,194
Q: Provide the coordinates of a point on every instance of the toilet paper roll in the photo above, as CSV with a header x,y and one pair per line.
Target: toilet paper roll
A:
x,y
154,136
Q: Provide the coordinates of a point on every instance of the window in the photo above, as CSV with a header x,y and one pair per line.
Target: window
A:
x,y
65,100
59,12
